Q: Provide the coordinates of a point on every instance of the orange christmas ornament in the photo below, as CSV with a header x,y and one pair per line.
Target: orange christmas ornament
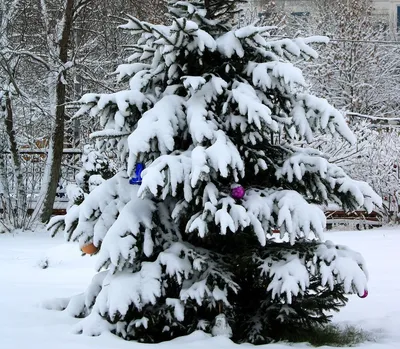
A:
x,y
89,249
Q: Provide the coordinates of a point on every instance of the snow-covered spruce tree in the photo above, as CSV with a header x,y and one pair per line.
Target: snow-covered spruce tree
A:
x,y
96,168
208,107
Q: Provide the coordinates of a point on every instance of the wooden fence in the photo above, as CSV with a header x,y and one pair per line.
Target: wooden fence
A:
x,y
33,167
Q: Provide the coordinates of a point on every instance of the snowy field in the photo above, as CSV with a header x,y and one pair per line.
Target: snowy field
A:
x,y
25,286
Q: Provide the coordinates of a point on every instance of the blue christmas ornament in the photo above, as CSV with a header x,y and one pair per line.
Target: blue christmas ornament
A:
x,y
138,172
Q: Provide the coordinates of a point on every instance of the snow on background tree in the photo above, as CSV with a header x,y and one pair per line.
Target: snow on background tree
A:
x,y
209,109
356,71
379,164
373,158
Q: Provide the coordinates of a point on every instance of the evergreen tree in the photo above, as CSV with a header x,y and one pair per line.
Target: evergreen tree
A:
x,y
96,168
213,113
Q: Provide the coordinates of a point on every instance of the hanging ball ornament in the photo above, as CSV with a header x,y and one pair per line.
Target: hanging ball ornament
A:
x,y
364,295
138,174
237,191
89,249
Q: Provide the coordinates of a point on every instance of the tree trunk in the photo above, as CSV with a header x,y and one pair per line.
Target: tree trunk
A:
x,y
20,192
207,7
57,139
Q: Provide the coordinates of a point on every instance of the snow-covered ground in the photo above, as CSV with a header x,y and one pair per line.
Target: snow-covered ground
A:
x,y
24,323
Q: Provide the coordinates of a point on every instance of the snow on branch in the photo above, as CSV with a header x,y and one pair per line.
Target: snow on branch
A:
x,y
303,44
123,100
199,276
91,220
201,126
258,39
311,113
186,33
224,157
166,173
287,210
262,210
128,70
339,263
136,26
332,178
126,288
291,270
228,45
271,75
182,33
250,105
161,123
107,133
290,276
134,221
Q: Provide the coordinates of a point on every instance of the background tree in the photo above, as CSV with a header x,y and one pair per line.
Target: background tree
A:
x,y
40,42
380,165
14,191
357,71
214,115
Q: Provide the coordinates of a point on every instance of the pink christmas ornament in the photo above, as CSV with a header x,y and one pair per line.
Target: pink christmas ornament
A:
x,y
237,192
364,295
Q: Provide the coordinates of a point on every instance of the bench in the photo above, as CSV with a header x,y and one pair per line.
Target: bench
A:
x,y
361,219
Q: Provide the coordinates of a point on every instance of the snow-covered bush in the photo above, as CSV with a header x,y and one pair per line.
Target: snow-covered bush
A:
x,y
206,107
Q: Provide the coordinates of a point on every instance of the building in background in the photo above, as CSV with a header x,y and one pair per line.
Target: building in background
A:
x,y
387,9
391,10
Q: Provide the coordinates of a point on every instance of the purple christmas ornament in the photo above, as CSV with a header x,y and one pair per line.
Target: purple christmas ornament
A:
x,y
237,192
138,172
365,295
